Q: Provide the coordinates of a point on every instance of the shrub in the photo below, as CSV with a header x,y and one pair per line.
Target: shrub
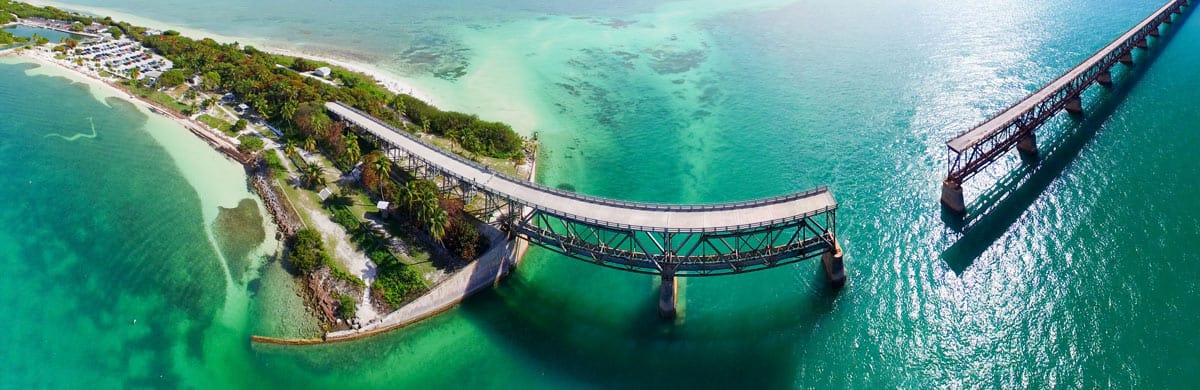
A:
x,y
250,144
346,306
308,252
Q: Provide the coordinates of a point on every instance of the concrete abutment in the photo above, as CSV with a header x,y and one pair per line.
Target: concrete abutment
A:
x,y
952,197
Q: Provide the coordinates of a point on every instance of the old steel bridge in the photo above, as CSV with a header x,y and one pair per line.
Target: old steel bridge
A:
x,y
666,240
974,150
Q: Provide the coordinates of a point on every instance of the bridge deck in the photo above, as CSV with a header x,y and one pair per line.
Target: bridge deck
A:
x,y
1000,121
606,212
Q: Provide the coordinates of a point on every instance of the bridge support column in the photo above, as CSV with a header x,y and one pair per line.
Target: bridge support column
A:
x,y
1105,79
1127,59
1074,106
1154,32
1027,146
1141,43
835,268
952,197
668,294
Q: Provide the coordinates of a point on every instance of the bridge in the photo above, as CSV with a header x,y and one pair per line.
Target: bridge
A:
x,y
972,151
667,240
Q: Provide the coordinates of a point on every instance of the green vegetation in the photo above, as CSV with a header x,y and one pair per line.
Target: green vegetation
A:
x,y
213,122
7,38
77,27
6,18
171,78
156,96
346,305
31,11
250,144
308,252
116,32
397,282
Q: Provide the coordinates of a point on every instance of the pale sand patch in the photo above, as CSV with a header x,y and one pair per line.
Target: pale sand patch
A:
x,y
354,260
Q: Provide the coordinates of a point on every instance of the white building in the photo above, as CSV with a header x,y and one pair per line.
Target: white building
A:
x,y
323,71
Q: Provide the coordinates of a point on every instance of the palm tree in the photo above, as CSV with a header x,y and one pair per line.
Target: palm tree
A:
x,y
289,149
427,207
410,194
437,225
314,176
353,153
310,144
383,166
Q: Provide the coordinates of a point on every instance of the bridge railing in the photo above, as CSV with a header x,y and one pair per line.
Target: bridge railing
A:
x,y
588,198
1073,82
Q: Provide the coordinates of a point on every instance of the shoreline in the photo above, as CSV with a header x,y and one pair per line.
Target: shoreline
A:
x,y
393,83
217,141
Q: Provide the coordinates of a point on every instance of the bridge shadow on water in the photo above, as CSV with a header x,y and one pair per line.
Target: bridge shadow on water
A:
x,y
998,208
576,339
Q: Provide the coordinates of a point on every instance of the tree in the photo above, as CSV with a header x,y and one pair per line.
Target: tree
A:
x,y
171,78
314,176
211,81
308,252
383,166
116,32
310,144
76,27
303,65
289,149
135,73
437,224
353,152
240,125
288,110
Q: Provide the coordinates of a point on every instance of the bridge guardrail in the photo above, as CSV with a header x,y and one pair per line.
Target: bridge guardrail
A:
x,y
587,198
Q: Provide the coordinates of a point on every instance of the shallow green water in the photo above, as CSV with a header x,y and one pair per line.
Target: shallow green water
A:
x,y
52,35
1085,277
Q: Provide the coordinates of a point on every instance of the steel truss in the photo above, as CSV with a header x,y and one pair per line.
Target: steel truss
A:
x,y
963,165
681,252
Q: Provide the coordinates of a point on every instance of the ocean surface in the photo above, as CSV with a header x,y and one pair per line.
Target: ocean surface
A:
x,y
1084,275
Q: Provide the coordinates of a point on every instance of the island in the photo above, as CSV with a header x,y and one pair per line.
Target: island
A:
x,y
372,246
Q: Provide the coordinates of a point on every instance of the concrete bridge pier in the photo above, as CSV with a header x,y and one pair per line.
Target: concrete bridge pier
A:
x,y
1127,59
835,268
1105,79
952,197
1141,43
1074,106
668,295
1027,146
1154,32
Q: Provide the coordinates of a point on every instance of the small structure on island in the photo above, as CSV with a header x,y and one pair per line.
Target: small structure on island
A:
x,y
323,71
242,108
383,208
325,194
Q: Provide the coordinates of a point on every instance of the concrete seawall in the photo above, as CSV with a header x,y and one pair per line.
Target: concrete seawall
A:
x,y
504,255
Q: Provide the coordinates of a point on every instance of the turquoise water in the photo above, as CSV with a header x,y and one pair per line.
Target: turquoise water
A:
x,y
52,35
1085,277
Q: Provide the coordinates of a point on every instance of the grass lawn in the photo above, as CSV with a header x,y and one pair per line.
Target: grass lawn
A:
x,y
498,165
215,123
158,97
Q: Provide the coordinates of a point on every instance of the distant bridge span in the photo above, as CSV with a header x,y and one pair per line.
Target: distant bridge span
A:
x,y
667,240
972,151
